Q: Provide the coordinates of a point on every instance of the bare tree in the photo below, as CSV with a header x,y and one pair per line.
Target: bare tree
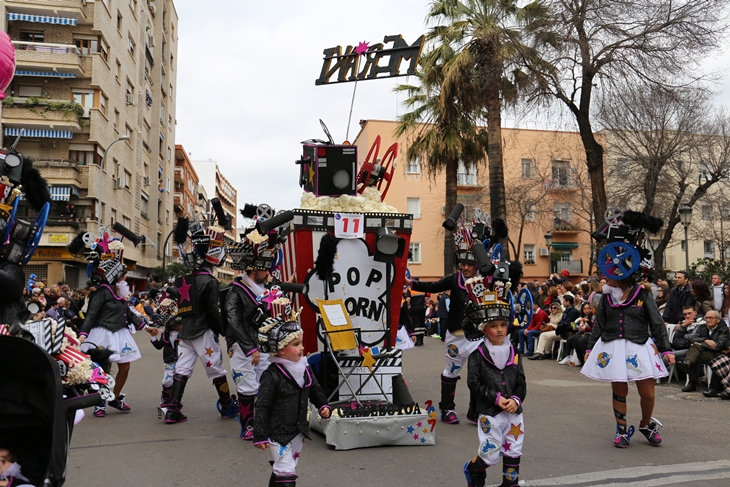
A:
x,y
713,222
590,45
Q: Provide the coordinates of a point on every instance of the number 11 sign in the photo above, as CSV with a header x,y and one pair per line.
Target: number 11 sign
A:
x,y
349,225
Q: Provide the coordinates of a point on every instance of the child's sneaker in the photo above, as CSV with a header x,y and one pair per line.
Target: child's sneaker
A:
x,y
436,336
120,405
623,439
99,411
449,416
565,361
651,431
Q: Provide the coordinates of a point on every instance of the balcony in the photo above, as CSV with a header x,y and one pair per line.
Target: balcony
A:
x,y
564,226
45,8
561,184
179,175
60,172
41,113
466,180
178,201
45,59
572,266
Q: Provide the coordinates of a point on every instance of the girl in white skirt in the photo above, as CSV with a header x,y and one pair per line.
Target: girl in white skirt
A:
x,y
620,350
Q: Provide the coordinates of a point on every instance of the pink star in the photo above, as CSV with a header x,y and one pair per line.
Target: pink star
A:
x,y
208,364
296,455
184,291
506,446
362,48
659,367
415,437
419,424
245,410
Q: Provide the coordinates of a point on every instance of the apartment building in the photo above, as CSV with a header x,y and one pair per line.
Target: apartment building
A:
x,y
185,196
91,73
547,192
217,186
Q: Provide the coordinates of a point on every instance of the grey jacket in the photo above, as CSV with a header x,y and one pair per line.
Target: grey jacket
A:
x,y
281,405
488,383
720,335
632,320
109,311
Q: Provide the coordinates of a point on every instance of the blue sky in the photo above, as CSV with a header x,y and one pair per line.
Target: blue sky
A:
x,y
246,93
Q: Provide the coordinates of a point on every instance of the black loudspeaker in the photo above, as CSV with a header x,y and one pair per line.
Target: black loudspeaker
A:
x,y
127,233
265,226
329,170
450,223
223,219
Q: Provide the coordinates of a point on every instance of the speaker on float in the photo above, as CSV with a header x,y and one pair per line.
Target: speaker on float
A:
x,y
329,170
127,233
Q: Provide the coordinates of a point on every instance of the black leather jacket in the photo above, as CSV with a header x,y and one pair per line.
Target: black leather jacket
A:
x,y
109,311
631,320
458,296
239,309
281,405
678,299
720,335
487,382
206,314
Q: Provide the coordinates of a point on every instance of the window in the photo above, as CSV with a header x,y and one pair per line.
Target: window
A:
x,y
85,98
114,216
87,45
530,212
707,212
119,21
170,91
725,212
466,175
563,212
144,204
529,253
413,166
28,91
116,120
172,61
126,222
566,255
103,102
622,167
414,207
414,253
104,50
709,249
119,71
131,45
26,36
561,174
705,172
727,253
169,153
82,157
127,179
128,132
528,169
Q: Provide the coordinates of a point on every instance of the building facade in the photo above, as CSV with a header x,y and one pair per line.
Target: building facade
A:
x,y
90,73
547,191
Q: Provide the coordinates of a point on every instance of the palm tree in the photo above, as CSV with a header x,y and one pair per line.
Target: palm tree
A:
x,y
484,38
440,127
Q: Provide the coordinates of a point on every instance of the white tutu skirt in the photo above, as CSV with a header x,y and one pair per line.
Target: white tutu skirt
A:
x,y
622,360
121,342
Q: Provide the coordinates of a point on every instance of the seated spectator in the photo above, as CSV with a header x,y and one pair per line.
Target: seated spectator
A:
x,y
552,297
542,295
547,333
684,331
570,316
711,339
725,308
703,297
539,318
720,382
72,212
53,312
578,341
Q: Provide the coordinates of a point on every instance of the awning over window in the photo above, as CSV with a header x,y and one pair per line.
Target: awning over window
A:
x,y
41,19
565,245
60,193
46,134
44,74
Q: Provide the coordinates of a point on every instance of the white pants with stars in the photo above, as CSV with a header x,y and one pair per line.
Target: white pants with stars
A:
x,y
458,349
244,373
286,457
499,435
207,349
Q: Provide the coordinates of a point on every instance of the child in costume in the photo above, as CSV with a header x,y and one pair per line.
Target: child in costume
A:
x,y
167,341
497,382
10,474
619,348
284,393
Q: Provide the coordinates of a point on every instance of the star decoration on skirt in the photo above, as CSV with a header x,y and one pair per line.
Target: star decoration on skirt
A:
x,y
209,351
208,364
506,446
515,431
296,455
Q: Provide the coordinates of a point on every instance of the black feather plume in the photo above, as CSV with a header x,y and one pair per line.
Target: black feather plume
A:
x,y
181,230
499,228
637,219
34,186
77,245
249,210
515,273
326,256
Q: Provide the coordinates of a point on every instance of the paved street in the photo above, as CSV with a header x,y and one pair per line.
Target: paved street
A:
x,y
568,438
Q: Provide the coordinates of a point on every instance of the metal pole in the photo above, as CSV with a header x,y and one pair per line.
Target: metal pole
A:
x,y
388,313
101,174
686,250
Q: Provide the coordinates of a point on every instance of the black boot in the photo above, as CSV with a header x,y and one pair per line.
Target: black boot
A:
x,y
447,406
476,472
272,480
173,410
165,396
286,481
419,340
511,471
227,405
245,408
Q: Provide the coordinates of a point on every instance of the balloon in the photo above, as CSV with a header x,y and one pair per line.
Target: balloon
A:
x,y
7,62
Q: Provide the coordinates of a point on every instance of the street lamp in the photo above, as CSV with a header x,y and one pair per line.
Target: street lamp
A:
x,y
549,242
101,173
685,216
